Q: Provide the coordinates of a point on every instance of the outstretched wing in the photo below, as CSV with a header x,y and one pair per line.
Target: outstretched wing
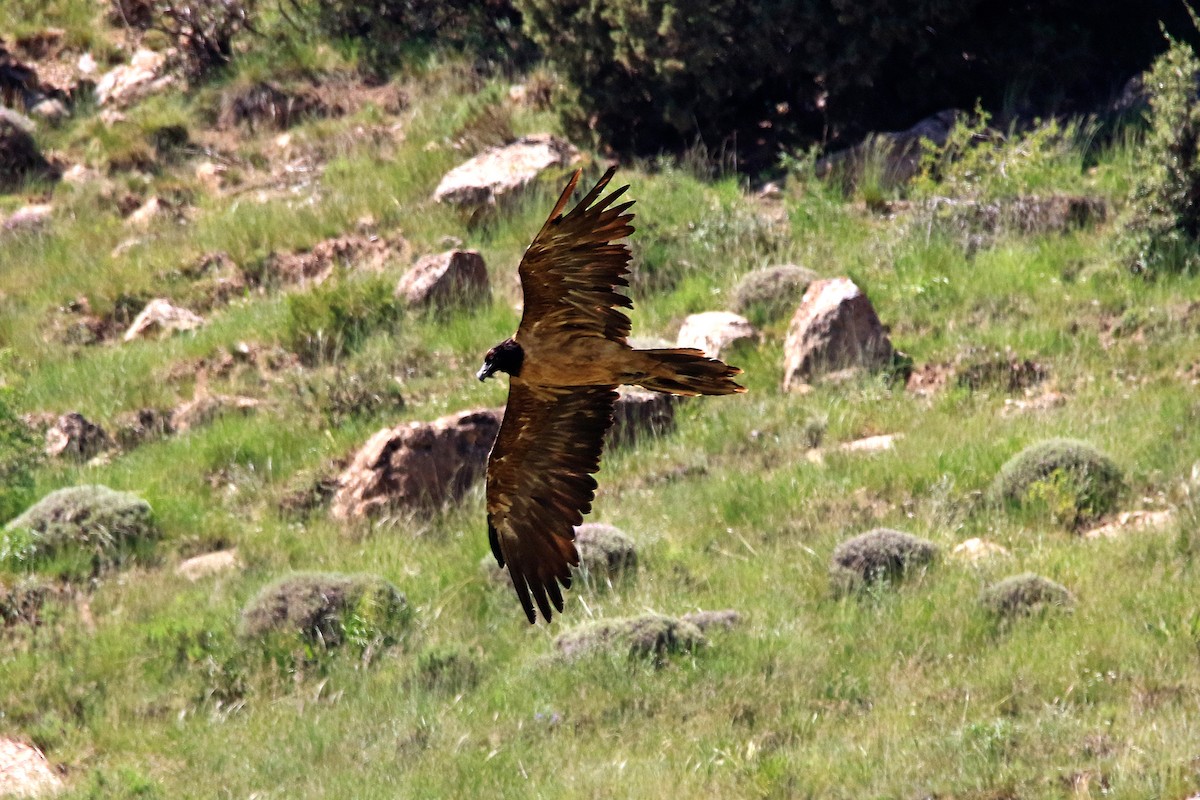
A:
x,y
570,272
540,484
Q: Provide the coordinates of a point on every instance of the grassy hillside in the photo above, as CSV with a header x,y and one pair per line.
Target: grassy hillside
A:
x,y
137,684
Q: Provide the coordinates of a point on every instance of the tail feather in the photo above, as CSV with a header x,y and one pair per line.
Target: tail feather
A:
x,y
686,371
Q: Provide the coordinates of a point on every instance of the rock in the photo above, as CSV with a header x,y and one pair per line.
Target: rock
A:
x,y
21,603
204,408
217,280
500,172
768,294
25,772
208,564
29,218
896,155
605,552
1037,402
714,332
315,265
321,607
211,176
835,327
1023,595
266,103
79,175
1131,522
727,619
452,278
650,636
78,530
127,83
1072,481
1028,215
159,316
639,412
417,465
72,435
878,555
144,214
976,549
50,109
145,424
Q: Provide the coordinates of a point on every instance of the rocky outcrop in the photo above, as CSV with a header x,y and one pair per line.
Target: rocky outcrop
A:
x,y
352,251
213,563
715,332
127,83
500,172
417,465
452,278
159,316
639,412
73,436
834,328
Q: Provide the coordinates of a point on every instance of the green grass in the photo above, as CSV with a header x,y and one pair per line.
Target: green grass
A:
x,y
137,686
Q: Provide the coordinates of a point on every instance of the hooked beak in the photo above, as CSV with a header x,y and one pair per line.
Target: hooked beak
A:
x,y
485,372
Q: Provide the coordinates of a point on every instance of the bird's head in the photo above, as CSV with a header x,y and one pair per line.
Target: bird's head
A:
x,y
504,357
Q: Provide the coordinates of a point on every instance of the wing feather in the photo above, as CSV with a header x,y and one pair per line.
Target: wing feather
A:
x,y
570,273
540,484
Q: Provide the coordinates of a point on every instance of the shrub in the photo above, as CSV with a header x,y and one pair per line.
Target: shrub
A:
x,y
1070,480
335,317
876,556
605,553
78,531
19,452
650,636
1024,594
203,30
771,293
323,610
1161,228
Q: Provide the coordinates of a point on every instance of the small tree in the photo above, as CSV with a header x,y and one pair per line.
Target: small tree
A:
x,y
1161,231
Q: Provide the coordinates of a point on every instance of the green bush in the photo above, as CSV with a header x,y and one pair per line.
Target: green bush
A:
x,y
879,555
78,531
1071,481
19,453
648,75
1161,229
334,318
1022,595
650,636
324,610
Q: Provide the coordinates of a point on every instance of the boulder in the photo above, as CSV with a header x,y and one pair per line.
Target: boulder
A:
x,y
204,408
895,154
25,772
29,218
323,607
159,316
767,294
127,83
714,332
878,555
147,212
650,636
417,465
214,563
72,435
639,412
142,425
834,328
452,278
499,172
974,550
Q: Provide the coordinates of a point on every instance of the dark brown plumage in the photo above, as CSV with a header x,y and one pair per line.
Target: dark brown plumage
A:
x,y
565,362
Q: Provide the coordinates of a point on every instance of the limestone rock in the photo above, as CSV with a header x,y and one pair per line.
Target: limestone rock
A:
x,y
835,327
417,465
502,171
74,436
1130,522
29,218
639,412
975,549
25,772
352,251
714,332
160,316
455,277
144,214
207,564
127,83
204,408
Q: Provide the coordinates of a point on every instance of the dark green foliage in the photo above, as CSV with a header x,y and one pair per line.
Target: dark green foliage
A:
x,y
387,29
1071,480
771,293
78,531
650,636
19,453
1161,231
325,610
877,556
334,318
1024,594
647,75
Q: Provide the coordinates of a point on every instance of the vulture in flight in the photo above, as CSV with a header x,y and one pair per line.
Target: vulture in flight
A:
x,y
565,362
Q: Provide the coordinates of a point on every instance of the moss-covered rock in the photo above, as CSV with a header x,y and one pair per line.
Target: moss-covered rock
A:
x,y
771,293
1024,594
327,610
605,552
878,555
650,636
1071,480
78,531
